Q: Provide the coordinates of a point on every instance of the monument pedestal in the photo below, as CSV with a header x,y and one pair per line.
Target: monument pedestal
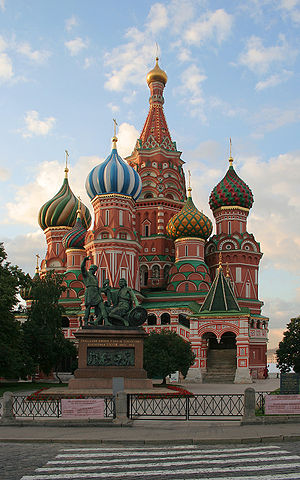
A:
x,y
105,353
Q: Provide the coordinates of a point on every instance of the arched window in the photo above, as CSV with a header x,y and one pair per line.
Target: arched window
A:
x,y
155,271
247,290
65,322
144,275
165,319
151,319
183,320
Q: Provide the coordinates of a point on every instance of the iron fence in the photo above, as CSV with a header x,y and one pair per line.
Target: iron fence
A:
x,y
194,407
260,401
23,406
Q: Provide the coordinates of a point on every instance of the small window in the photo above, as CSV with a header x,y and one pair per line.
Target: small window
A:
x,y
57,249
147,230
238,274
241,227
247,290
124,273
186,251
106,217
103,275
151,319
121,218
186,287
229,227
165,319
123,236
73,260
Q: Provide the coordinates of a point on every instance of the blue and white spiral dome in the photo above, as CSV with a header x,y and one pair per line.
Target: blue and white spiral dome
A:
x,y
113,175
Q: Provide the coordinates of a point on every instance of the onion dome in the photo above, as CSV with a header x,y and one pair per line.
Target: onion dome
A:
x,y
231,191
76,236
112,176
61,210
157,74
189,222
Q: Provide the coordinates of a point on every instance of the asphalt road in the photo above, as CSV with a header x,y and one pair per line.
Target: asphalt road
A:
x,y
66,461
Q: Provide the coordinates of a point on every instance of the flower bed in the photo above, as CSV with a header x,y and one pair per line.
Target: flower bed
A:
x,y
178,392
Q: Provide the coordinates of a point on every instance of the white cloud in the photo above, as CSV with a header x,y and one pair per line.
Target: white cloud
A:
x,y
272,118
38,56
212,25
88,62
3,44
6,69
275,185
22,250
114,108
127,137
2,5
35,126
76,46
259,59
292,8
274,80
30,197
191,89
71,23
4,174
157,18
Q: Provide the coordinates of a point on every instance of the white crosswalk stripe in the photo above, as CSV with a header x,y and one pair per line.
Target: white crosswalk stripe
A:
x,y
172,463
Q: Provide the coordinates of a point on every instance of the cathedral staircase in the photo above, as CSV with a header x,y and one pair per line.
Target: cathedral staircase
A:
x,y
221,366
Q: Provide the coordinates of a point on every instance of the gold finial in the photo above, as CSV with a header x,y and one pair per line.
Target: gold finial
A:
x,y
189,187
79,208
227,271
220,261
230,155
37,270
114,139
66,169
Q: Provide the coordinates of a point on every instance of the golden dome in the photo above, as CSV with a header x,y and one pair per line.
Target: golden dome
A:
x,y
157,75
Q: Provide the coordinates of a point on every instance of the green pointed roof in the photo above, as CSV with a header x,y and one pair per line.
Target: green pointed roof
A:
x,y
220,297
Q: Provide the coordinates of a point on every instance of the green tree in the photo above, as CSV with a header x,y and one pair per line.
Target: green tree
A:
x,y
43,335
288,353
166,353
13,360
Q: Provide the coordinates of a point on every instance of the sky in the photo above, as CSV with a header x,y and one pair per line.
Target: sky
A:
x,y
68,67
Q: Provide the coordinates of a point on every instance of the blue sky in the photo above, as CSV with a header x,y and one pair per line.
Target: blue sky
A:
x,y
68,67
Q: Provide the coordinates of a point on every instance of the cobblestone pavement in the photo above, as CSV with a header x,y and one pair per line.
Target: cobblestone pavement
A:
x,y
247,462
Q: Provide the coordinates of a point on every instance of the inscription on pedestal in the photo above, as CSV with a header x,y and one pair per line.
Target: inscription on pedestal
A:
x,y
110,357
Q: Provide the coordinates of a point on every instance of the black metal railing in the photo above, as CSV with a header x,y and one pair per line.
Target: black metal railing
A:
x,y
23,406
194,407
260,401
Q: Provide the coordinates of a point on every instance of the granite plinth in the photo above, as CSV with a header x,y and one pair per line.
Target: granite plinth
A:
x,y
105,353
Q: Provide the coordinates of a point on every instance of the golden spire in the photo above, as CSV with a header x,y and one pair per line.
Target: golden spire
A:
x,y
66,169
115,139
227,271
230,156
37,270
189,187
220,261
79,208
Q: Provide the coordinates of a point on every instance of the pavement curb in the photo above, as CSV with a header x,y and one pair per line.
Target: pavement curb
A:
x,y
139,443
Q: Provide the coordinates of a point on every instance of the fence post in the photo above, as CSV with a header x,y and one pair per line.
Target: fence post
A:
x,y
121,406
7,408
249,405
187,408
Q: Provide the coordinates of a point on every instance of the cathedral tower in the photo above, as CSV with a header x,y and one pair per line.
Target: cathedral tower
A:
x,y
157,160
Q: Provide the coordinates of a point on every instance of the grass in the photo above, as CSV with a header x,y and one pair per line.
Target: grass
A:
x,y
27,386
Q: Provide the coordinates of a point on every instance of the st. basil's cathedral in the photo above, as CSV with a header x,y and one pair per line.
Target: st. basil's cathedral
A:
x,y
148,230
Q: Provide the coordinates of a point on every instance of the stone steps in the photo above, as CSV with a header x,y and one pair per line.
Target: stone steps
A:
x,y
221,366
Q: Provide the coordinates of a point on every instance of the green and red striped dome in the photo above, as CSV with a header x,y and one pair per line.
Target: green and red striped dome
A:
x,y
231,191
189,222
76,236
61,210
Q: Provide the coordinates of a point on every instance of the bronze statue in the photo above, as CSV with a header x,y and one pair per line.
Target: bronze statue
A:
x,y
125,299
92,295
